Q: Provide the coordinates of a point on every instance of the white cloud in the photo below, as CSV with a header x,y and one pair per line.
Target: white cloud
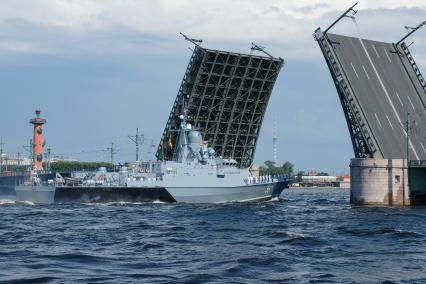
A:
x,y
285,27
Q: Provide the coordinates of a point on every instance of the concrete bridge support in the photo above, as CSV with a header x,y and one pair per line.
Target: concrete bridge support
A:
x,y
379,182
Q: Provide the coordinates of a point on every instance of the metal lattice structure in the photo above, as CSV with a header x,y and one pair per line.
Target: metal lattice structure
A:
x,y
226,95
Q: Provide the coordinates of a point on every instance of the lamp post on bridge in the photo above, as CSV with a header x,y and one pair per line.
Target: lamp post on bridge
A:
x,y
345,14
411,31
407,129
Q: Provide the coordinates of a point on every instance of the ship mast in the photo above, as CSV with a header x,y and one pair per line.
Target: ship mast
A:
x,y
138,139
183,143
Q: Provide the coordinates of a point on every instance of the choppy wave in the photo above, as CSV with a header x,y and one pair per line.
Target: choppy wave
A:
x,y
309,236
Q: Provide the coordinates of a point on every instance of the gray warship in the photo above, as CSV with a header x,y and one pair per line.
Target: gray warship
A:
x,y
195,175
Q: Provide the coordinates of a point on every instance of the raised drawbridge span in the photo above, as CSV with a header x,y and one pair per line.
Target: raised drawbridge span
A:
x,y
383,95
226,95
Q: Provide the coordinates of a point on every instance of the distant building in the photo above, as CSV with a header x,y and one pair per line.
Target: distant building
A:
x,y
343,181
18,160
14,160
61,159
255,170
344,178
314,179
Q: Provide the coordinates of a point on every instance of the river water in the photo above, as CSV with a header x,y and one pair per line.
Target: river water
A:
x,y
309,236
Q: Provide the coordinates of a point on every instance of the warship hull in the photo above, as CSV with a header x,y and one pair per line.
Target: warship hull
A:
x,y
81,194
52,194
8,183
35,194
256,192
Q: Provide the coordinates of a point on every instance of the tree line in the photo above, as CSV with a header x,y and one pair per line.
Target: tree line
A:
x,y
270,168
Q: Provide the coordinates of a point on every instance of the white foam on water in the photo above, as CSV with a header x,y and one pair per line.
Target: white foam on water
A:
x,y
113,203
274,199
28,203
123,203
6,201
94,204
294,235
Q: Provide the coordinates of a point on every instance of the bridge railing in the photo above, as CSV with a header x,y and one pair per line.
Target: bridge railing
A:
x,y
414,65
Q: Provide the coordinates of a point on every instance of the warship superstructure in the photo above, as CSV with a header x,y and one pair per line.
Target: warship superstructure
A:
x,y
195,175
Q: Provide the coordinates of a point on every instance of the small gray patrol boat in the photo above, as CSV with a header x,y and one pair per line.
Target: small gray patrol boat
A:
x,y
195,175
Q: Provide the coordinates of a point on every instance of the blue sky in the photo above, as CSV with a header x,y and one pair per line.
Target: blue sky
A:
x,y
99,69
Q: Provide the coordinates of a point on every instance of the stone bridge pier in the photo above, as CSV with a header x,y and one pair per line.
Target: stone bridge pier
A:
x,y
388,182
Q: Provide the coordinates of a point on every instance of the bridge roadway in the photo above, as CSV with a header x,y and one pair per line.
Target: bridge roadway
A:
x,y
386,94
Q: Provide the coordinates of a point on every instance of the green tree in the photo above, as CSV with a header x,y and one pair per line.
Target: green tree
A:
x,y
263,170
76,166
287,168
270,168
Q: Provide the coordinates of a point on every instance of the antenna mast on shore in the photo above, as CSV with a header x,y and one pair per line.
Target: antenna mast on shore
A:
x,y
408,128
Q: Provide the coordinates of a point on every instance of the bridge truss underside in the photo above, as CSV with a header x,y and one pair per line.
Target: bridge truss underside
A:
x,y
226,95
378,85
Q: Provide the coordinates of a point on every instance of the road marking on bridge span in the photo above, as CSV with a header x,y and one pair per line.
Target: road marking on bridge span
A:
x,y
390,123
411,103
387,55
387,95
399,99
368,77
375,50
378,120
354,70
423,147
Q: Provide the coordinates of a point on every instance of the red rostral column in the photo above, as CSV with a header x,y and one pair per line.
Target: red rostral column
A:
x,y
38,140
